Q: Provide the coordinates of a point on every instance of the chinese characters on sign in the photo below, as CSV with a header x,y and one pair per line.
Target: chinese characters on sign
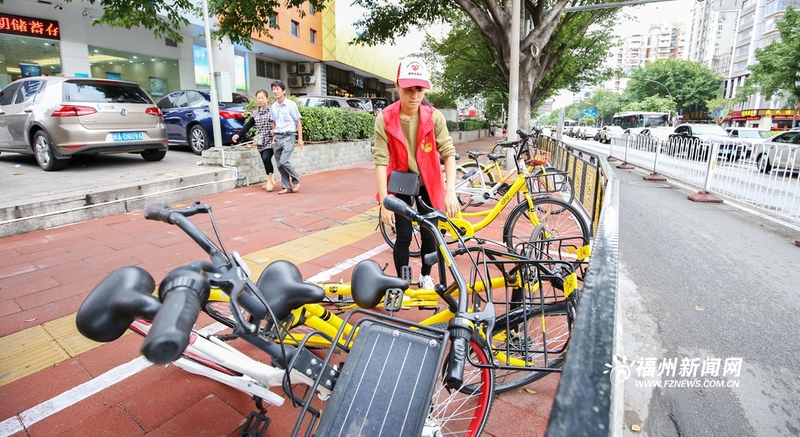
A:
x,y
675,372
27,26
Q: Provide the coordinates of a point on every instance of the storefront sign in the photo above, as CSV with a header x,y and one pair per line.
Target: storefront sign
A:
x,y
27,26
775,113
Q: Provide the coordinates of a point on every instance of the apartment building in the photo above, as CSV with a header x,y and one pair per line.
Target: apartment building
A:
x,y
724,36
309,52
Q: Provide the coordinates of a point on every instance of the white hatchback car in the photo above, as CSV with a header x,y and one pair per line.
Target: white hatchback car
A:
x,y
781,151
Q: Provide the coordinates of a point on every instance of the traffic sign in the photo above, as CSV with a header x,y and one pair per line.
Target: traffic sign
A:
x,y
590,113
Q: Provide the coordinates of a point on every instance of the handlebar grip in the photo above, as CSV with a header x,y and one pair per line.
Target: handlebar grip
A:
x,y
457,360
397,206
158,211
181,293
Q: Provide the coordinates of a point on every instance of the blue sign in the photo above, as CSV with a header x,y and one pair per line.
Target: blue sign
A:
x,y
590,113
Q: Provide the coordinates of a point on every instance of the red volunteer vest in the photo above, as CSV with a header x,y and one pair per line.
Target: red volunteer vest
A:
x,y
427,152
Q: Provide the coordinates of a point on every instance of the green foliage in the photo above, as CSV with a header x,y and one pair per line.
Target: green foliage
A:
x,y
587,121
606,103
441,100
167,17
452,126
471,124
719,107
689,84
334,124
778,68
651,104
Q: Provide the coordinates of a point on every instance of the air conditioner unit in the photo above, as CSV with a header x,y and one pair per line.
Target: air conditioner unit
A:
x,y
292,68
309,80
304,68
295,82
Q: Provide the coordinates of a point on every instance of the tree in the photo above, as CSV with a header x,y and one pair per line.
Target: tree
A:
x,y
606,103
168,17
651,104
689,84
467,63
719,107
441,100
778,68
553,36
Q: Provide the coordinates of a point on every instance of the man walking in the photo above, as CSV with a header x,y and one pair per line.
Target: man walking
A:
x,y
287,127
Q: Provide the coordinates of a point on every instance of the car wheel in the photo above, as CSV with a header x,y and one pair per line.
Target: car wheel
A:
x,y
763,163
154,155
198,140
43,148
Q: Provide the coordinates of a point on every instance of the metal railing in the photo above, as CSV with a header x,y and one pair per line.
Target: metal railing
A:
x,y
583,403
765,176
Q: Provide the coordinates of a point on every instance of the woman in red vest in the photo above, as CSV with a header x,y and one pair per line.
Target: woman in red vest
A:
x,y
411,136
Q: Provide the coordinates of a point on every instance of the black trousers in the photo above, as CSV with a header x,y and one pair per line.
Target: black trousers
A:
x,y
266,157
405,233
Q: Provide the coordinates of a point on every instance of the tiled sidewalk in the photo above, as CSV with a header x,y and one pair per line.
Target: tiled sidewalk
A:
x,y
45,275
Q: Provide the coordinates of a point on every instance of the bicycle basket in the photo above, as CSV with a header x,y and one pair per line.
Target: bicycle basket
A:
x,y
538,157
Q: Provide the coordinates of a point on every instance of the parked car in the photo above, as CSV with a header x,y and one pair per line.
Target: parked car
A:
x,y
695,141
608,132
588,133
781,151
374,104
347,103
187,115
650,137
55,118
749,137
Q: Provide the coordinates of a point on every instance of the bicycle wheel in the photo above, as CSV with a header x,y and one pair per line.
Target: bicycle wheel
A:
x,y
221,312
390,235
463,412
486,173
530,336
551,182
565,228
497,148
462,183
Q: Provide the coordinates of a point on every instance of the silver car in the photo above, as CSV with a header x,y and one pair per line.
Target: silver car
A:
x,y
55,118
779,152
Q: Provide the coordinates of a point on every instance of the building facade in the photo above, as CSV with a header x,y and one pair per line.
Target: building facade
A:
x,y
309,53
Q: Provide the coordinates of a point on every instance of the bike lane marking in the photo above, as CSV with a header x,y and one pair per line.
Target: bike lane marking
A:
x,y
118,374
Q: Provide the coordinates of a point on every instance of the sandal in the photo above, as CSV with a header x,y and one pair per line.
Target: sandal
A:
x,y
284,191
296,188
269,186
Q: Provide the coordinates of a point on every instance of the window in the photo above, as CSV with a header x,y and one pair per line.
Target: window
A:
x,y
268,69
313,36
311,9
195,99
295,28
273,22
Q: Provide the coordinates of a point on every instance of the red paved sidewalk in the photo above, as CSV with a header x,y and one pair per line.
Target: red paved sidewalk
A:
x,y
45,275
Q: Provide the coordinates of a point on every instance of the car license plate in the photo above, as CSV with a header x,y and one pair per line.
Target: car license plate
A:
x,y
127,136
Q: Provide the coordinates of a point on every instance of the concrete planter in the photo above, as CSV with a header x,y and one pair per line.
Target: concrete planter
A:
x,y
315,157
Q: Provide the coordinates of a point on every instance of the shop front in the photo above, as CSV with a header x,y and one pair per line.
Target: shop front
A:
x,y
770,119
63,42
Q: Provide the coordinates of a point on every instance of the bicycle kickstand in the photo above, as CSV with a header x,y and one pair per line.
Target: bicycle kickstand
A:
x,y
257,422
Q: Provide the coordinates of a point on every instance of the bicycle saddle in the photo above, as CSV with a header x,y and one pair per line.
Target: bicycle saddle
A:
x,y
474,154
369,284
496,156
122,296
283,288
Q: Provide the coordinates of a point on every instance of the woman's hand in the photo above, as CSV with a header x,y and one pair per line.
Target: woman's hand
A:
x,y
235,138
451,203
387,217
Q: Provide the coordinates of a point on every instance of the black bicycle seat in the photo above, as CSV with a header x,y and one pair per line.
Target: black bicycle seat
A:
x,y
474,154
369,284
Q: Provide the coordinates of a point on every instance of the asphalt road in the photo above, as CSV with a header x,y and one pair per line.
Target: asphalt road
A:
x,y
706,281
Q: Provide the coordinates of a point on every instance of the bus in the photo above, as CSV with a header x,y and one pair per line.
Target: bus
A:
x,y
637,119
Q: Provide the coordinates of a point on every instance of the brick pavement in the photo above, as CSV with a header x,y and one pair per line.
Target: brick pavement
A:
x,y
45,275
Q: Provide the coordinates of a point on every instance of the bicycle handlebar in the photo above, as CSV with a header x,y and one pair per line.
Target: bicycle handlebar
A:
x,y
459,326
182,291
167,214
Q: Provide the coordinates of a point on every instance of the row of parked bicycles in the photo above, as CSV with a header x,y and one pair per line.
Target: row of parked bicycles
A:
x,y
501,314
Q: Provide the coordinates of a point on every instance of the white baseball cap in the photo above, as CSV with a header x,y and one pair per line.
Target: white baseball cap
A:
x,y
412,72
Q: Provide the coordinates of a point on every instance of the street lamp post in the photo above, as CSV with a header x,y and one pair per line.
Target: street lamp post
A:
x,y
502,111
670,97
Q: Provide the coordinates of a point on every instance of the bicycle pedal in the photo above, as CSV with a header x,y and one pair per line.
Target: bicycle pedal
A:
x,y
393,300
407,273
255,425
